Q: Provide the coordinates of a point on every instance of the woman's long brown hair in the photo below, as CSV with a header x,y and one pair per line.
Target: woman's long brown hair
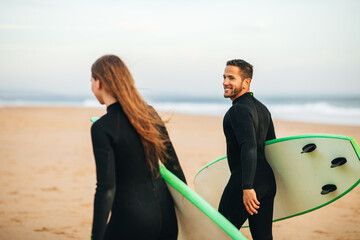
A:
x,y
117,80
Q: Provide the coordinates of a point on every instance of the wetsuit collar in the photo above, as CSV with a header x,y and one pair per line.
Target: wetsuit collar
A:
x,y
115,105
247,94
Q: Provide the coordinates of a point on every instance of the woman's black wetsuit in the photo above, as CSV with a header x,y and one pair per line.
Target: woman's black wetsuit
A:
x,y
247,125
141,206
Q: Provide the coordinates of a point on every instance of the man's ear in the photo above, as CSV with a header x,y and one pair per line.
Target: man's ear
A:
x,y
247,82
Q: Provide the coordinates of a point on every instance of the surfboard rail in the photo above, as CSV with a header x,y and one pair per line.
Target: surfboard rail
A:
x,y
308,136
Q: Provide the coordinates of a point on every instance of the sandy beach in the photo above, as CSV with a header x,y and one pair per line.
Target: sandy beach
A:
x,y
47,173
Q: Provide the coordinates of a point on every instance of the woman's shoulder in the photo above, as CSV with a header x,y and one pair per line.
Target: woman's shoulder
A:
x,y
97,125
102,124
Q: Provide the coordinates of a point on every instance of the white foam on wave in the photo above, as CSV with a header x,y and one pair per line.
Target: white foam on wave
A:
x,y
193,108
34,103
43,103
90,103
316,111
321,112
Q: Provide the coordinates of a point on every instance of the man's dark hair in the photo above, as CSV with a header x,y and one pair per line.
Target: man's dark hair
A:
x,y
245,68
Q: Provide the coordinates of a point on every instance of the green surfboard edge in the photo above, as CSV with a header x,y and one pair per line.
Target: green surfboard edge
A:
x,y
201,204
333,136
307,136
94,119
207,165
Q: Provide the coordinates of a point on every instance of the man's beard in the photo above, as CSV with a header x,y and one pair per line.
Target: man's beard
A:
x,y
234,91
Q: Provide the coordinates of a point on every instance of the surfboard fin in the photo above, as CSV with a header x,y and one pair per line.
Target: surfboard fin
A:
x,y
338,162
308,148
328,188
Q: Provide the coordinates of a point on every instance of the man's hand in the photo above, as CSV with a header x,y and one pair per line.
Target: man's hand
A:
x,y
250,201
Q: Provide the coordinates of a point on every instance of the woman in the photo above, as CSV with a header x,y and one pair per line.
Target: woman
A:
x,y
128,142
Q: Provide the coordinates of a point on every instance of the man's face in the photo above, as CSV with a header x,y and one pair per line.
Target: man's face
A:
x,y
232,82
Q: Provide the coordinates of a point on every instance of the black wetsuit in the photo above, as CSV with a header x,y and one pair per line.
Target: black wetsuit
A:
x,y
247,125
141,206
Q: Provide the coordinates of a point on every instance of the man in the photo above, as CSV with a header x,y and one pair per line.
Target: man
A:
x,y
251,189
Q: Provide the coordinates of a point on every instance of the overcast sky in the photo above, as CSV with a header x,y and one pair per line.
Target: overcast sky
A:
x,y
181,47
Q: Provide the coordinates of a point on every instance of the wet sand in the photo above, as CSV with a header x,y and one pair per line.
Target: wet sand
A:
x,y
47,173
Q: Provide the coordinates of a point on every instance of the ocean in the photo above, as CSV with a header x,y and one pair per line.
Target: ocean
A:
x,y
331,110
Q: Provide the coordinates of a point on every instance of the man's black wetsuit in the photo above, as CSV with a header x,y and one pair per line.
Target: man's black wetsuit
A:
x,y
247,125
141,206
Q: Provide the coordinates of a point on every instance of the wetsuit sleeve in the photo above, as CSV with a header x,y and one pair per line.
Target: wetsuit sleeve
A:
x,y
105,174
172,161
271,131
243,126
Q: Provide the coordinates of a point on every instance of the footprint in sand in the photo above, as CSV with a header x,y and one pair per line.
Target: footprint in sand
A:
x,y
50,189
57,232
43,229
321,232
17,220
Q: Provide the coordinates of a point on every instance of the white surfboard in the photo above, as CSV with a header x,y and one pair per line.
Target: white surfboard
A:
x,y
197,219
311,171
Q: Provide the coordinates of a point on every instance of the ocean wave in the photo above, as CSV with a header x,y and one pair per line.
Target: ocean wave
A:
x,y
90,103
49,103
320,112
210,109
315,111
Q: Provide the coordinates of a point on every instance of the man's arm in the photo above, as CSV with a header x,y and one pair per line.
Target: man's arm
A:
x,y
244,130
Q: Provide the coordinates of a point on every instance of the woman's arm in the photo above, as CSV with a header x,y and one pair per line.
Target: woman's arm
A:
x,y
105,174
